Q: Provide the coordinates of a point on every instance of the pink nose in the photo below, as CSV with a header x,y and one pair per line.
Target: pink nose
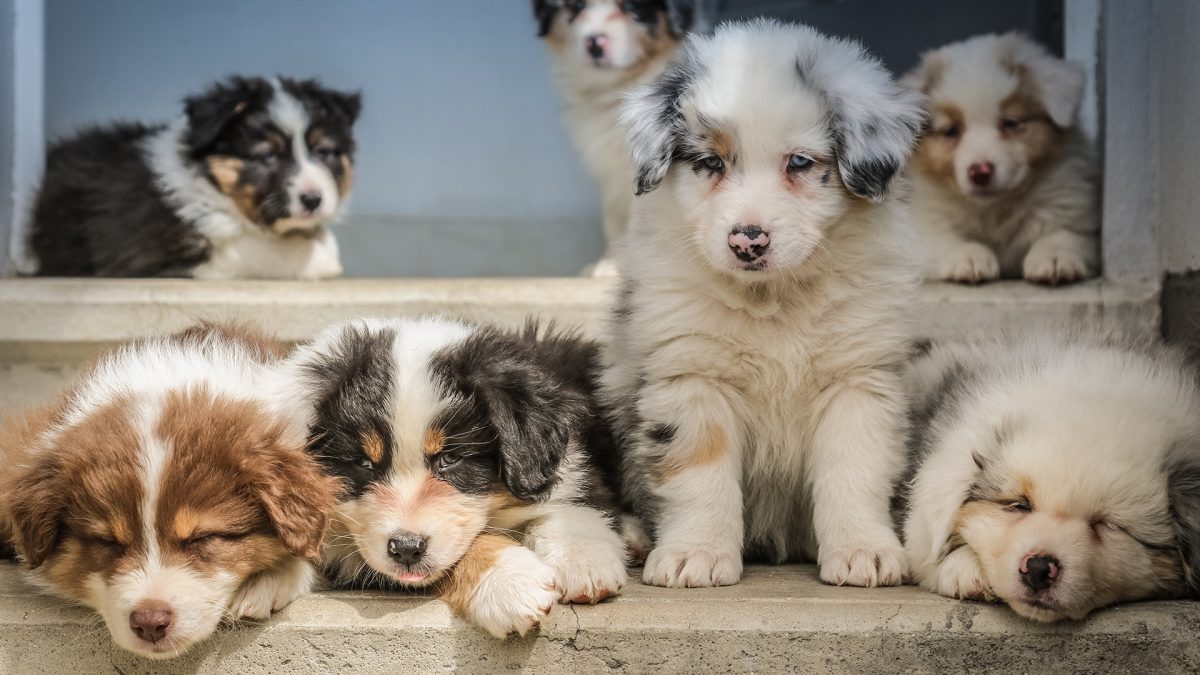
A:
x,y
980,173
748,242
150,622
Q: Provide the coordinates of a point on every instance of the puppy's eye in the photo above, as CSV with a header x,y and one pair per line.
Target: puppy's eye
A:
x,y
327,151
198,540
1104,526
951,131
1011,124
797,163
710,163
446,460
364,463
106,542
1021,505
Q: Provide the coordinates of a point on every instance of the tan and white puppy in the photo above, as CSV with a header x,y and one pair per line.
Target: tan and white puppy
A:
x,y
1056,473
600,49
757,340
162,491
1004,183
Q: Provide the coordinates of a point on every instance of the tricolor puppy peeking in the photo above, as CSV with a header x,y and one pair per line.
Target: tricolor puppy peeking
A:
x,y
243,185
162,492
450,438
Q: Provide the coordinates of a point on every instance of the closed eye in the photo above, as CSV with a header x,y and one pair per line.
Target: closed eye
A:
x,y
1019,505
210,537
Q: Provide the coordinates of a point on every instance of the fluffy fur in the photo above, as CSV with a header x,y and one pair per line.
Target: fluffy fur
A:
x,y
600,49
1004,182
755,359
448,439
1057,473
163,492
244,185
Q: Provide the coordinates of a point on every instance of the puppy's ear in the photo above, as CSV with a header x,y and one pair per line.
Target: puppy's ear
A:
x,y
346,104
681,15
296,495
35,511
208,113
1183,489
875,121
543,13
925,76
654,123
1058,84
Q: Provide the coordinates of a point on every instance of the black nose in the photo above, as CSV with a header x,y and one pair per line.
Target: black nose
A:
x,y
595,46
1038,572
406,548
310,200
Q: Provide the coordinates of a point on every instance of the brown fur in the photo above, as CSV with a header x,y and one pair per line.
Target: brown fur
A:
x,y
227,173
372,446
435,440
711,448
459,586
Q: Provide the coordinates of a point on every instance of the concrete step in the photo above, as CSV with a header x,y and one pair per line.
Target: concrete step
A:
x,y
49,326
779,619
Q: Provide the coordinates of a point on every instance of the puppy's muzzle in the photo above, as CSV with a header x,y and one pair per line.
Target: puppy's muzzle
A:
x,y
748,242
151,622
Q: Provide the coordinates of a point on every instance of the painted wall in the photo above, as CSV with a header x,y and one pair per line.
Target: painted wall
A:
x,y
464,166
6,130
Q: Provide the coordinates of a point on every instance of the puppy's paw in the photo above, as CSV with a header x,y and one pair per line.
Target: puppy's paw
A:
x,y
863,565
970,263
1054,265
592,577
271,592
959,576
692,567
514,595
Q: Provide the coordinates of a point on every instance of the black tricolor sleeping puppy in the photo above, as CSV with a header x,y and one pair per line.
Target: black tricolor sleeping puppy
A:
x,y
243,185
475,461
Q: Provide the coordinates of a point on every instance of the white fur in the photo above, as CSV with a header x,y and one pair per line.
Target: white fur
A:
x,y
1090,425
587,555
514,595
241,249
789,370
592,96
1036,222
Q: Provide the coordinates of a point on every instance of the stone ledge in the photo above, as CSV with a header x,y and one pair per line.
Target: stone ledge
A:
x,y
778,619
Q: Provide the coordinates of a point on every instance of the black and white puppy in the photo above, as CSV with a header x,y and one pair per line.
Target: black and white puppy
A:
x,y
758,340
1059,473
599,50
457,444
243,185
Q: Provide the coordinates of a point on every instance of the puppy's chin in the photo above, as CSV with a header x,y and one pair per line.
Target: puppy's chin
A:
x,y
1043,612
298,227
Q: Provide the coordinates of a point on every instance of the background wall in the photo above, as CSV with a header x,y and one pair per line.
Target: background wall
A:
x,y
464,166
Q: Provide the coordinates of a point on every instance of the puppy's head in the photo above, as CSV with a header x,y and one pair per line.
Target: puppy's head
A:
x,y
433,426
281,150
767,135
154,510
999,105
1072,510
611,34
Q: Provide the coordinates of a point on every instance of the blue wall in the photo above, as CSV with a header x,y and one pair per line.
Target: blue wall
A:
x,y
464,165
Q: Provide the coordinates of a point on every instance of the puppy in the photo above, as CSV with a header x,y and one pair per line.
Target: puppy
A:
x,y
599,49
1056,473
244,185
163,492
757,340
1004,182
456,444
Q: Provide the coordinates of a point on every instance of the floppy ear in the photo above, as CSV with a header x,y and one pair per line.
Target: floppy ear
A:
x,y
1183,489
653,121
875,121
296,495
35,511
1059,84
346,104
543,13
208,113
925,74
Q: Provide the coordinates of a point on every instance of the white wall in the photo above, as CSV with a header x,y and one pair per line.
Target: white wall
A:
x,y
1179,173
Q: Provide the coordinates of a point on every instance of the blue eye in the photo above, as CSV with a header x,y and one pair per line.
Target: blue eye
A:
x,y
799,163
711,163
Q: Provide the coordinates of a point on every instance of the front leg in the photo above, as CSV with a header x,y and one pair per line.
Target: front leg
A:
x,y
690,450
585,551
856,457
1062,257
272,590
500,586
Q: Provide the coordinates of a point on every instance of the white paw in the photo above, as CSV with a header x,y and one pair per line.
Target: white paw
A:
x,y
959,576
602,268
271,592
863,564
1053,265
692,567
514,595
970,263
591,576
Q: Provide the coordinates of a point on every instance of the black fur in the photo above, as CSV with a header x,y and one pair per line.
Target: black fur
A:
x,y
100,210
1183,488
655,153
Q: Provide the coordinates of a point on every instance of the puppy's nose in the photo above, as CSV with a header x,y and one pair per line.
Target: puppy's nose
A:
x,y
150,622
1038,572
596,45
310,200
407,548
748,242
980,173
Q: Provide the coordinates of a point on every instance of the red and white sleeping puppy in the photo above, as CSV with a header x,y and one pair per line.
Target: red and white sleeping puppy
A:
x,y
162,492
